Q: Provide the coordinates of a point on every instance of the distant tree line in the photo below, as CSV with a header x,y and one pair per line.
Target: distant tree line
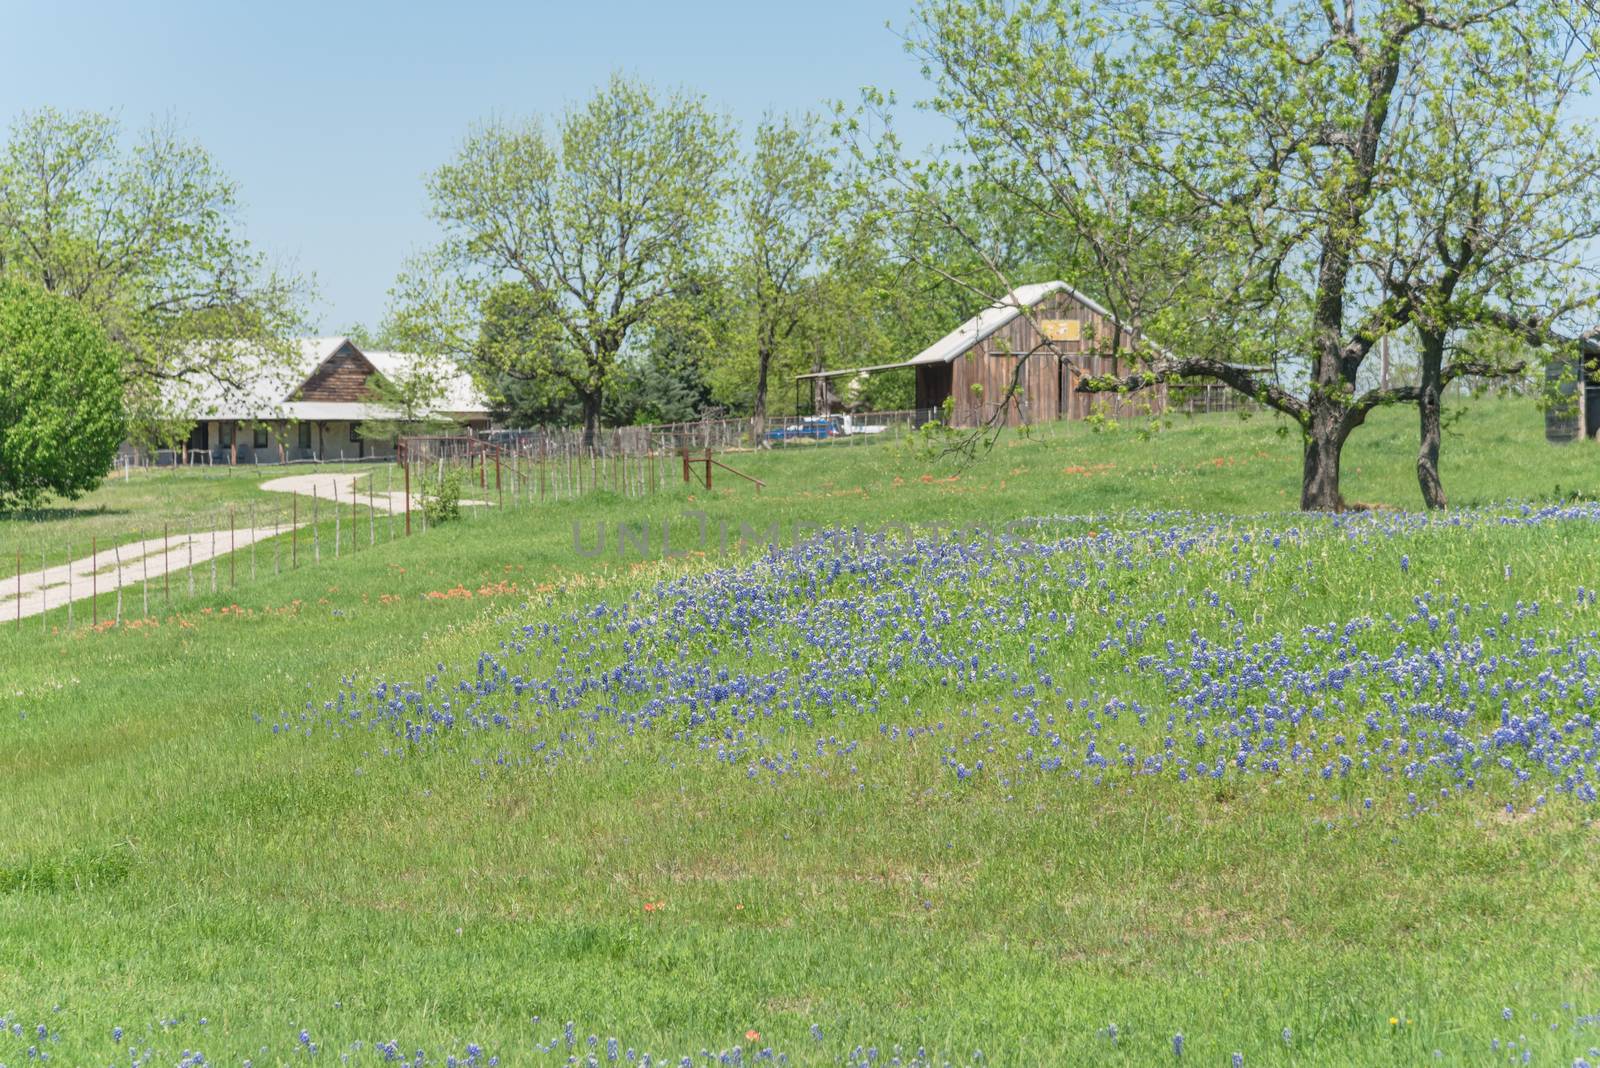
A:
x,y
626,262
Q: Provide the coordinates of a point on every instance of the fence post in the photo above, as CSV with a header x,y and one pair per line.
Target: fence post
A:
x,y
407,468
294,530
708,468
19,588
94,582
166,567
233,559
685,455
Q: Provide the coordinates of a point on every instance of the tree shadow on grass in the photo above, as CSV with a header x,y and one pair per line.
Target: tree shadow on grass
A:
x,y
57,514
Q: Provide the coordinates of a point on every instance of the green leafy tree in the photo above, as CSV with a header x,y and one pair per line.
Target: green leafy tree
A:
x,y
669,382
143,237
1488,255
60,397
596,219
409,401
1249,178
368,339
789,206
532,369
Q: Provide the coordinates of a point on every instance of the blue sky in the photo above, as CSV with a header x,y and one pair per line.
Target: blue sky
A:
x,y
329,115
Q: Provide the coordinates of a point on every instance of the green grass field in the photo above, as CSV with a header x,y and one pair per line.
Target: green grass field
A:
x,y
472,785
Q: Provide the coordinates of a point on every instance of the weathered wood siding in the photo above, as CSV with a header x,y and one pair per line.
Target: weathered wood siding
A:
x,y
342,377
981,377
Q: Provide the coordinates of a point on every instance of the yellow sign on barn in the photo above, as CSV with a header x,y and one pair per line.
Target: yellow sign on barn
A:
x,y
1060,329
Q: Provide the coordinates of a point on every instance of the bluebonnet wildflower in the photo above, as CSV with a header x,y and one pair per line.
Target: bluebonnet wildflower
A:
x,y
1421,699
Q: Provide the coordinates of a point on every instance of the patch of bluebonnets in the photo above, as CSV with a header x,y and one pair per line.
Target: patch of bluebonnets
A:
x,y
1106,656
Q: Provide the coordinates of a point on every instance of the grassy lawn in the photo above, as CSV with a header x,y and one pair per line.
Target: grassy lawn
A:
x,y
1309,790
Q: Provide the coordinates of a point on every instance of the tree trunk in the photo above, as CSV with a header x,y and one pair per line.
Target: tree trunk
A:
x,y
820,400
1429,409
591,417
758,414
1319,480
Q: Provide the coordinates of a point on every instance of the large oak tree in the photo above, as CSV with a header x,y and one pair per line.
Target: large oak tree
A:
x,y
788,208
595,219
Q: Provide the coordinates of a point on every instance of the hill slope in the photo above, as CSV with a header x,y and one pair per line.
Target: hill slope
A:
x,y
1312,790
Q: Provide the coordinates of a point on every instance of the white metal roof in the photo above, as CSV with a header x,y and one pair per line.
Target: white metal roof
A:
x,y
460,395
992,318
271,386
979,327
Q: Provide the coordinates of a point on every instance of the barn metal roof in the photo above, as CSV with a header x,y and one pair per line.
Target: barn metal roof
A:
x,y
974,330
993,318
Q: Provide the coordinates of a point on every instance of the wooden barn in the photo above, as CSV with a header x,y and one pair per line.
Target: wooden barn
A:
x,y
1576,386
973,368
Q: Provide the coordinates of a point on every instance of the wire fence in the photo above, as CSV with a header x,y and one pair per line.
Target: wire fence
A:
x,y
138,457
148,569
1207,398
346,506
777,431
572,446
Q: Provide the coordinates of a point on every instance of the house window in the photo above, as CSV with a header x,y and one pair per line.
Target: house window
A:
x,y
226,432
260,439
353,435
305,435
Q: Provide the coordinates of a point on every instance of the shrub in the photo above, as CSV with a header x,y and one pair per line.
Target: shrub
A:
x,y
441,498
60,398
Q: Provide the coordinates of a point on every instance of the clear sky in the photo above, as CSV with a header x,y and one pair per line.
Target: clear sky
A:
x,y
329,115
